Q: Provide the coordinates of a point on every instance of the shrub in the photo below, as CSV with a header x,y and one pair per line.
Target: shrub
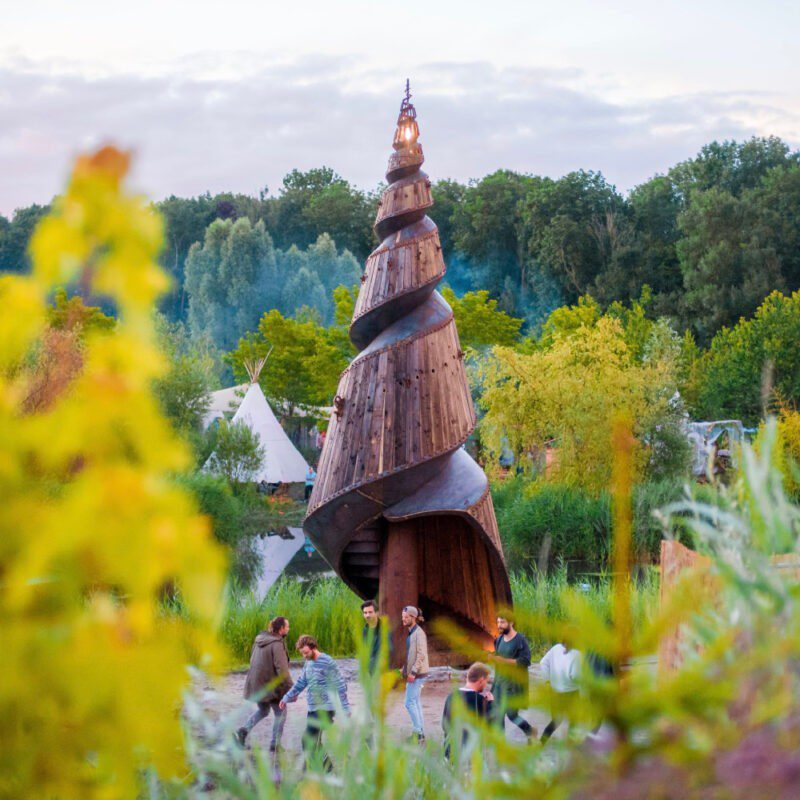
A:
x,y
238,454
541,522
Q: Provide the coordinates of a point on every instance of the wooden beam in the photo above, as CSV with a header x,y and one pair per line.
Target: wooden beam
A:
x,y
399,580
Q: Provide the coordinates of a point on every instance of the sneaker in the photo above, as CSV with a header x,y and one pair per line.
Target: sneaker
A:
x,y
421,739
240,736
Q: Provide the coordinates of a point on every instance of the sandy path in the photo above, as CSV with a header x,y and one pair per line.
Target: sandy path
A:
x,y
222,700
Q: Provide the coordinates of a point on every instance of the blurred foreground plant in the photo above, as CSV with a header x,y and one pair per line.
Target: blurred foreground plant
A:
x,y
723,725
93,531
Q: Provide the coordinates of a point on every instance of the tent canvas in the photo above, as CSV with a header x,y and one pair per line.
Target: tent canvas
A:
x,y
276,552
283,462
223,401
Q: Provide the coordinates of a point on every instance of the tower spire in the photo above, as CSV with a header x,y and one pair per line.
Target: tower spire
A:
x,y
399,509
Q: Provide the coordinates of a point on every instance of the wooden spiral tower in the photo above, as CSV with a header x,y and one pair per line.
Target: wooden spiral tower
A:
x,y
399,509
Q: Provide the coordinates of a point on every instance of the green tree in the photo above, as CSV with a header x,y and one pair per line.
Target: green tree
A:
x,y
566,394
574,229
71,313
729,266
344,301
304,289
344,213
487,232
479,322
332,267
776,219
238,454
741,359
236,514
320,201
730,166
304,362
309,276
183,390
448,196
648,257
185,222
230,280
15,235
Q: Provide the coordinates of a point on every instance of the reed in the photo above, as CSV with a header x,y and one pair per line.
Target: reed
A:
x,y
328,610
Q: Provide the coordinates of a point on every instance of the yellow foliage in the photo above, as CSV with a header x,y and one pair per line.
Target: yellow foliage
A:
x,y
566,395
93,531
786,452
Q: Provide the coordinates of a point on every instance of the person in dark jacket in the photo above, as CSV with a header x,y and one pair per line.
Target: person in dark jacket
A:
x,y
512,655
473,699
372,634
268,680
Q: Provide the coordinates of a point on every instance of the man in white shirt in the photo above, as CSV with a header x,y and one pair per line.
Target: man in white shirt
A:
x,y
560,667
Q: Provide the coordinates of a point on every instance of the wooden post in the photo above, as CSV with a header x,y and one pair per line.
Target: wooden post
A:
x,y
399,580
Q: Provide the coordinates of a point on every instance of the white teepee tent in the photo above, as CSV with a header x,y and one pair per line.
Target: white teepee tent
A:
x,y
283,462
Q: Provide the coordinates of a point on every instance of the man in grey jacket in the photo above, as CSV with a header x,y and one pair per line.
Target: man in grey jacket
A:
x,y
268,680
415,670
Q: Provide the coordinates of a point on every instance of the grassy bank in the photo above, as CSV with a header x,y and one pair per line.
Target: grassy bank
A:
x,y
327,609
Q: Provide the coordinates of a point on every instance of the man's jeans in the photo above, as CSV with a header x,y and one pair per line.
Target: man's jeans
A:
x,y
262,712
312,737
414,705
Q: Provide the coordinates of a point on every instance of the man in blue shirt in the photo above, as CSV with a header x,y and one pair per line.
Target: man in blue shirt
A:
x,y
323,680
311,477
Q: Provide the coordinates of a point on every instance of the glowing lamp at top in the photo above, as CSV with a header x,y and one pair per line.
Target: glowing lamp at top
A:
x,y
407,131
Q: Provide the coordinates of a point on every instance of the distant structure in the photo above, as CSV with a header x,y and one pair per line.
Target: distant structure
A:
x,y
399,509
223,402
283,462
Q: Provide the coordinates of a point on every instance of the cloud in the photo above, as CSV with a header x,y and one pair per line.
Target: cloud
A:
x,y
212,123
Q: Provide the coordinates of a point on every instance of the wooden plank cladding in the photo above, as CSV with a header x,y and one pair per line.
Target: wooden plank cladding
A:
x,y
455,566
392,271
483,513
399,509
402,160
402,405
412,194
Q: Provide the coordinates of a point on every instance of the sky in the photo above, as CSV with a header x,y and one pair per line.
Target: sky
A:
x,y
230,96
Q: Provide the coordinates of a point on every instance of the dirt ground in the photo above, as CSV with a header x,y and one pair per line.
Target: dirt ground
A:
x,y
222,700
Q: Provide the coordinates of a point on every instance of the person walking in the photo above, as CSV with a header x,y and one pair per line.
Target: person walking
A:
x,y
371,634
268,680
560,667
415,670
311,477
474,698
324,682
512,655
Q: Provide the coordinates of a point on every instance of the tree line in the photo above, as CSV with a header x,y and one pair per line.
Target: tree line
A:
x,y
710,238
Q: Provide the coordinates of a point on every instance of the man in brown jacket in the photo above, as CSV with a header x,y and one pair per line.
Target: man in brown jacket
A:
x,y
268,680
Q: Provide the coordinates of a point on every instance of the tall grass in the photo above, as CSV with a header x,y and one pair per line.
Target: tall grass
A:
x,y
324,608
328,610
546,597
